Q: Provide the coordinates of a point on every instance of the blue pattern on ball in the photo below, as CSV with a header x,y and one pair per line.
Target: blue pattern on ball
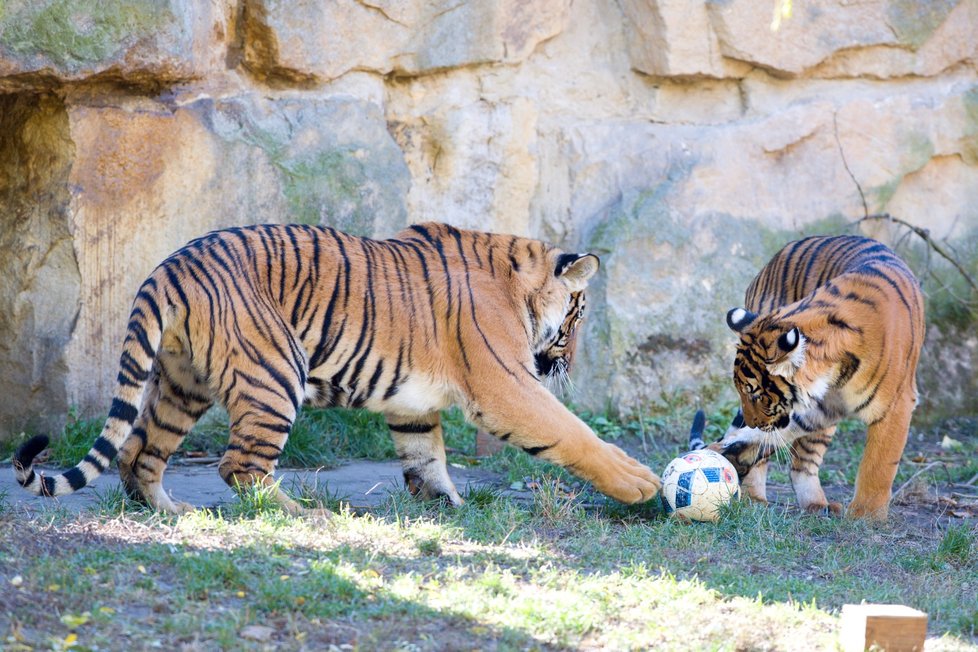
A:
x,y
683,494
712,474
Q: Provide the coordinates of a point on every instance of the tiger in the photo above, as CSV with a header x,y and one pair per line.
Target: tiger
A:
x,y
832,329
264,319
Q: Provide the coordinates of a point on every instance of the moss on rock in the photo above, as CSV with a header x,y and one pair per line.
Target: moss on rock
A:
x,y
75,33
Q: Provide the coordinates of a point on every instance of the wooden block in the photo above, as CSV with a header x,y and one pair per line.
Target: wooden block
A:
x,y
883,627
486,444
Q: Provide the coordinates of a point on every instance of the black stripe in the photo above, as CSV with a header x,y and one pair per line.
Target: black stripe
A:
x,y
137,331
848,369
75,478
536,450
838,322
413,428
397,373
29,479
175,284
123,410
153,306
104,447
94,461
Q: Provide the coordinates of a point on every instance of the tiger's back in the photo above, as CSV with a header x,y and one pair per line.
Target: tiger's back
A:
x,y
832,328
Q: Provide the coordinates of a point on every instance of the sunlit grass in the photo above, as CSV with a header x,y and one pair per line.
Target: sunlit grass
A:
x,y
513,574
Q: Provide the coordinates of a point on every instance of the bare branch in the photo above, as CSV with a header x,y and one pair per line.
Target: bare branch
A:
x,y
925,236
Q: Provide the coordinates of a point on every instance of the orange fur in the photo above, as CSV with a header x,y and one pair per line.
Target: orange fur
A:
x,y
264,319
832,328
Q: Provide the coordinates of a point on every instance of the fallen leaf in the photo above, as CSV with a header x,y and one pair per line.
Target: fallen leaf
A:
x,y
949,444
73,621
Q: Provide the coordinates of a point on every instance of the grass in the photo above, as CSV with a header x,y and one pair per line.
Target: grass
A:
x,y
319,438
496,573
555,567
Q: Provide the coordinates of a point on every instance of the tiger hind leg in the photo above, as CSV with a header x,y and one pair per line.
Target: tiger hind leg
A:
x,y
807,453
260,426
421,449
174,399
885,441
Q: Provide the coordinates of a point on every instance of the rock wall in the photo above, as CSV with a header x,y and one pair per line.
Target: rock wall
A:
x,y
684,142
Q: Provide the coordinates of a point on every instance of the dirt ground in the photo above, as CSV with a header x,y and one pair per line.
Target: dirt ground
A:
x,y
364,484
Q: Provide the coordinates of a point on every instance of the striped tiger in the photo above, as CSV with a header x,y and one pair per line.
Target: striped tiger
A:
x,y
832,328
264,319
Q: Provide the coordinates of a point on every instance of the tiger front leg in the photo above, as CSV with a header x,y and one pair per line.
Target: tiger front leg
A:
x,y
807,453
528,416
421,449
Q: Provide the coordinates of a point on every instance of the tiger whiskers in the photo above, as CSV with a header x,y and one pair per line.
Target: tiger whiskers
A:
x,y
557,380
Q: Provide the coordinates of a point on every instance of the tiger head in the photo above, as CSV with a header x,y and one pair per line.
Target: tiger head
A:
x,y
554,362
769,354
556,344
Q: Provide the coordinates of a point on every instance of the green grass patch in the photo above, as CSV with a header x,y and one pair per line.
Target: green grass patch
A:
x,y
75,440
496,573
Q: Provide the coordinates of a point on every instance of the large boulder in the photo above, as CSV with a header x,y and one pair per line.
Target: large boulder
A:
x,y
877,38
309,42
40,292
122,186
147,43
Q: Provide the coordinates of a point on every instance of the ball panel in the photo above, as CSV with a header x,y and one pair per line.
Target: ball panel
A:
x,y
697,484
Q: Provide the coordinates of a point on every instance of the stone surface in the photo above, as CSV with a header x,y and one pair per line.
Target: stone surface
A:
x,y
296,42
147,178
44,43
39,293
672,38
837,34
361,483
683,142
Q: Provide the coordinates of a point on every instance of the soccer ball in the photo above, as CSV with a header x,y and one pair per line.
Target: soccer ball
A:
x,y
696,485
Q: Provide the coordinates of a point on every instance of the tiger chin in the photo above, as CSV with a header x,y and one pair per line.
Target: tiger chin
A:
x,y
267,318
833,329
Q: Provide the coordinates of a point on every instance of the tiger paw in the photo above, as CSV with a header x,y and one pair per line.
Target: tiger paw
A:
x,y
872,512
623,478
830,509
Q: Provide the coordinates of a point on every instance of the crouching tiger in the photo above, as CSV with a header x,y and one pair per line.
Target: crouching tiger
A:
x,y
832,328
266,318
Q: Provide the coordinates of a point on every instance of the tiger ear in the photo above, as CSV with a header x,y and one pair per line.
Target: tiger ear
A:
x,y
576,269
739,318
791,344
789,340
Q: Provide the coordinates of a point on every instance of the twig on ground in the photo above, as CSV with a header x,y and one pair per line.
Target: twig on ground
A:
x,y
914,477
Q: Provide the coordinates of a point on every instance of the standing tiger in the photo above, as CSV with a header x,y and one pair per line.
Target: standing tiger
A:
x,y
832,328
266,318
